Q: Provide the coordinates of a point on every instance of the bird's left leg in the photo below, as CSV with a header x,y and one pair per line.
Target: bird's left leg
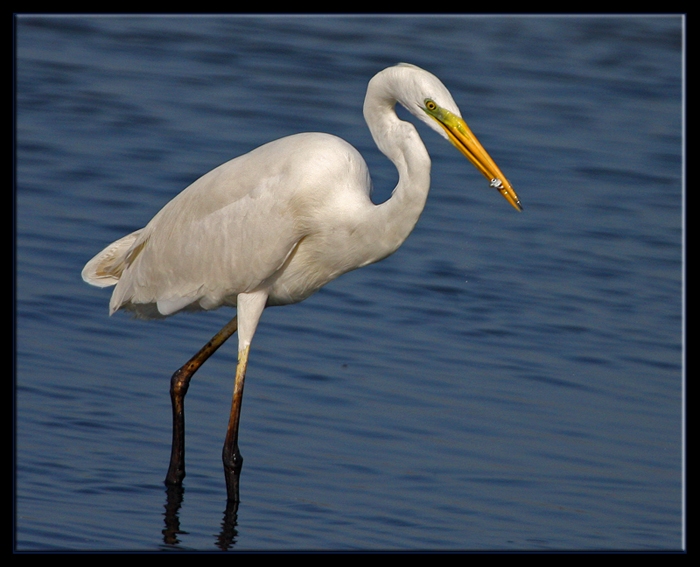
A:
x,y
179,383
248,310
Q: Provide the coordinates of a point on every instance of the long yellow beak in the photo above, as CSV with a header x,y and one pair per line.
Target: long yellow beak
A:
x,y
466,142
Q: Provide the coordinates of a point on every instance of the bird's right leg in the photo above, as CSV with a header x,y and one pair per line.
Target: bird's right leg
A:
x,y
179,384
249,307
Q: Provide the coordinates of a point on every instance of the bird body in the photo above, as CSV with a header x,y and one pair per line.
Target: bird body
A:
x,y
273,226
264,220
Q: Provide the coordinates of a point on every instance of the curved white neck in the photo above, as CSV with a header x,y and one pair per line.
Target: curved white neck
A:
x,y
393,220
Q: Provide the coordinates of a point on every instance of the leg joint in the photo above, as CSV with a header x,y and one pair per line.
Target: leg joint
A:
x,y
180,383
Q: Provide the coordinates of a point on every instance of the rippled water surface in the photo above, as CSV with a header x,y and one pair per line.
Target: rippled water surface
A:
x,y
504,381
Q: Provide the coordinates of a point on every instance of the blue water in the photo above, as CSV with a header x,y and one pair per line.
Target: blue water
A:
x,y
504,381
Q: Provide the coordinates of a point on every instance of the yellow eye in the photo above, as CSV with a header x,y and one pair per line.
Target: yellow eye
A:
x,y
430,105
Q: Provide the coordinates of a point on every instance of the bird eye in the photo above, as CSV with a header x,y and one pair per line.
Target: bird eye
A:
x,y
430,105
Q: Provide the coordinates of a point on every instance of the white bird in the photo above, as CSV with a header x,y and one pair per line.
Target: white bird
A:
x,y
273,226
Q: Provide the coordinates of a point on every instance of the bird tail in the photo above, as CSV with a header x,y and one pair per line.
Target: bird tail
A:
x,y
106,268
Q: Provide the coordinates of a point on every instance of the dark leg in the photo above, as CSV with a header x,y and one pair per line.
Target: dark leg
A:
x,y
178,388
233,461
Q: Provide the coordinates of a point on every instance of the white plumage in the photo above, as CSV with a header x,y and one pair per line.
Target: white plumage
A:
x,y
273,226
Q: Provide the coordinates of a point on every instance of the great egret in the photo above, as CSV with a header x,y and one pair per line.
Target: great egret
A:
x,y
273,226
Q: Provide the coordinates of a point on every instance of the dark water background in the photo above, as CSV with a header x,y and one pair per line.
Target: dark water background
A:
x,y
504,381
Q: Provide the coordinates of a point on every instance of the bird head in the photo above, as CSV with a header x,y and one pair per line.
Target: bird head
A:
x,y
424,96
